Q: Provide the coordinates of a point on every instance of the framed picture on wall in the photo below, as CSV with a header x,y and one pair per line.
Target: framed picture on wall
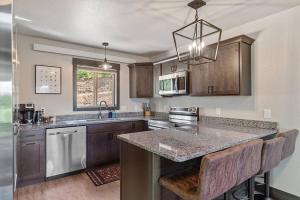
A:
x,y
47,79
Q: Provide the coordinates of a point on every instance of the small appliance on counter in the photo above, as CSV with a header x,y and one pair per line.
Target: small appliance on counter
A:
x,y
174,84
147,109
24,113
29,113
19,113
38,117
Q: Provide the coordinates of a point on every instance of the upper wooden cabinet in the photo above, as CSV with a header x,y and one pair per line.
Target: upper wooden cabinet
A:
x,y
141,80
229,75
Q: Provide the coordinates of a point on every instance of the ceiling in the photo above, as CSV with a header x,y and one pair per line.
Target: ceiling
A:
x,y
142,27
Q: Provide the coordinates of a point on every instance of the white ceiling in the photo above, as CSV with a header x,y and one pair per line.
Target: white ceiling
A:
x,y
141,27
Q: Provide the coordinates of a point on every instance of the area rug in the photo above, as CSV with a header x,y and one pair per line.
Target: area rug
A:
x,y
105,174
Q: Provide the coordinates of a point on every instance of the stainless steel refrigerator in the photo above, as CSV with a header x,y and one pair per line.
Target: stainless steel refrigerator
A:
x,y
6,135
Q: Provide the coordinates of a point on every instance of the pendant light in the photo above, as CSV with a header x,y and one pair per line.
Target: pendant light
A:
x,y
191,40
105,65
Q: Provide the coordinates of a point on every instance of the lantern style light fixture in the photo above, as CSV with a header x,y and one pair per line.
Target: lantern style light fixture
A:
x,y
105,65
191,40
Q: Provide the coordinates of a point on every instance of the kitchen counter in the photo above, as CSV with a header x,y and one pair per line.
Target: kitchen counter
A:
x,y
147,156
84,122
180,144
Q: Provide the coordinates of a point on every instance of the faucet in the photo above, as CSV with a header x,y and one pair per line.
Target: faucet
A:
x,y
100,109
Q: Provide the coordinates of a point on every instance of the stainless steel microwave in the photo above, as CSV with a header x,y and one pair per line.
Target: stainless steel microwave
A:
x,y
173,84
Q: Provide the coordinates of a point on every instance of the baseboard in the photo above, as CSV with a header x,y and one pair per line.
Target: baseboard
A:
x,y
281,195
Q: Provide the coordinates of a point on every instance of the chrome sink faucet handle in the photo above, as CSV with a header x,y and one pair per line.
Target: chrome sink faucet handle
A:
x,y
100,109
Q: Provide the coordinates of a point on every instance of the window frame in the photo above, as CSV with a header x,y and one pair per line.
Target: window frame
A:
x,y
93,63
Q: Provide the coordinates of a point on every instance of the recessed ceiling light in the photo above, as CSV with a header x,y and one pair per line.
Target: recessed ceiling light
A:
x,y
22,18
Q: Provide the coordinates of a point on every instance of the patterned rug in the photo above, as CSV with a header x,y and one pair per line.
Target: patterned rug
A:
x,y
105,174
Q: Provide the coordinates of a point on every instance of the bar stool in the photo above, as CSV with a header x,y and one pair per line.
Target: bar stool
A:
x,y
218,174
248,165
271,157
290,142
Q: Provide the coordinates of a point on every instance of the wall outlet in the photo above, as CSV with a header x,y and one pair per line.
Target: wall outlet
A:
x,y
267,113
218,112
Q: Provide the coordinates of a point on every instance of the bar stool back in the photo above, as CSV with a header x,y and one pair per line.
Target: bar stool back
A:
x,y
249,165
271,157
290,142
218,174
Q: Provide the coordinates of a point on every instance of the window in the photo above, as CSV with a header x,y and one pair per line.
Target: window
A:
x,y
93,85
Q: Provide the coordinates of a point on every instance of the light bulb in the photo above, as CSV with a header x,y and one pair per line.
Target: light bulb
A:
x,y
202,44
105,67
194,44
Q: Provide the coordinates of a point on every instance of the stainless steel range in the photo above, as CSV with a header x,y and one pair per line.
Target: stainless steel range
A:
x,y
178,117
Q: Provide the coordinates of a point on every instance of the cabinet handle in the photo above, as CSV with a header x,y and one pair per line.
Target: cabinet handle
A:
x,y
208,89
30,136
32,143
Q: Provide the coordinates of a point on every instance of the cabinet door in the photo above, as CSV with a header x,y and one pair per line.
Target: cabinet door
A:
x,y
156,74
98,149
226,70
31,160
144,81
167,67
201,78
140,126
115,147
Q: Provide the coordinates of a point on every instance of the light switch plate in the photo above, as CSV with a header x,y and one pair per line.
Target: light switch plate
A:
x,y
218,112
267,113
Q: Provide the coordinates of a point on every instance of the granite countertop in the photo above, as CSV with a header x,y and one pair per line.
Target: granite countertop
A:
x,y
84,122
179,145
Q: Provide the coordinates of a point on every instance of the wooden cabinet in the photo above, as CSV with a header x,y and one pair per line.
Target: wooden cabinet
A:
x,y
172,67
156,73
31,164
201,78
98,149
141,80
229,75
102,143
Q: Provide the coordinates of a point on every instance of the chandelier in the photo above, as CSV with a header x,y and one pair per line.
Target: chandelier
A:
x,y
105,65
191,40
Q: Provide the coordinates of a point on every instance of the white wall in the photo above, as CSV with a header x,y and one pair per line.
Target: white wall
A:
x,y
63,104
276,85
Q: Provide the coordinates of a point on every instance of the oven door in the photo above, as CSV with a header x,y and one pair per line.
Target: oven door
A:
x,y
182,83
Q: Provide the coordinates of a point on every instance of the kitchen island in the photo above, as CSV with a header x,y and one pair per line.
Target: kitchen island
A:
x,y
146,156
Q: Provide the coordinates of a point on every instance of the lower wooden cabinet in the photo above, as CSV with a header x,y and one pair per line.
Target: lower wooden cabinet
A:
x,y
31,166
103,146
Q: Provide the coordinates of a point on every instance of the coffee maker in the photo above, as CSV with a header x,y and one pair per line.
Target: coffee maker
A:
x,y
29,113
19,114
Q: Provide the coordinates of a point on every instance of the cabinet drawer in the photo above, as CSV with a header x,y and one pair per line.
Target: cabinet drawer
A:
x,y
26,135
109,127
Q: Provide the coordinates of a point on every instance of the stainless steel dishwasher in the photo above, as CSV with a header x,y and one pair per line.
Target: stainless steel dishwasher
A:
x,y
65,150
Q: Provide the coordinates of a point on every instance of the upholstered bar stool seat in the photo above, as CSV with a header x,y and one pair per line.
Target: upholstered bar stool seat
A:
x,y
218,174
290,142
